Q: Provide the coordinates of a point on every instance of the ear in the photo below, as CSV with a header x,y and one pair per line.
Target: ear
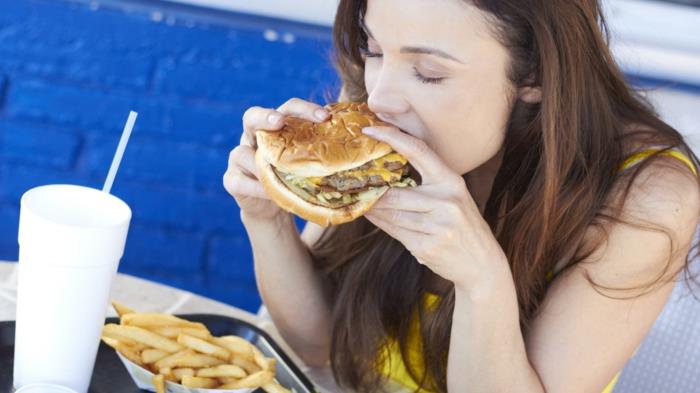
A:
x,y
530,94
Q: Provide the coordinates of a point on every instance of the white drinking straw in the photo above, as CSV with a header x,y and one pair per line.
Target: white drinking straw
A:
x,y
120,151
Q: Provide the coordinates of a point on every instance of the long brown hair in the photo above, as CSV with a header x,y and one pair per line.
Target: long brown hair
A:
x,y
561,160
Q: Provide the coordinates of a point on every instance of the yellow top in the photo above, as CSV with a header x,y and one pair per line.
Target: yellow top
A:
x,y
392,365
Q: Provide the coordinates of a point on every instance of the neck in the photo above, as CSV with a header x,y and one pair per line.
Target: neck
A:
x,y
480,180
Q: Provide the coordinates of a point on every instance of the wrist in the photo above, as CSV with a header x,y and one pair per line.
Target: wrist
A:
x,y
280,219
495,282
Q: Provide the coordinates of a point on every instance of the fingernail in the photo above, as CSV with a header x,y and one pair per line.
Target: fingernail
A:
x,y
369,131
274,118
320,114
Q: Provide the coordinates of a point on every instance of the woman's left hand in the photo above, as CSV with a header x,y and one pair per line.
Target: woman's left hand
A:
x,y
438,221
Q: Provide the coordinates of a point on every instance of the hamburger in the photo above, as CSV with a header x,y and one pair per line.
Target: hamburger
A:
x,y
329,173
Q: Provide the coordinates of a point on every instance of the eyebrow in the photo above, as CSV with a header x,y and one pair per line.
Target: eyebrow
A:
x,y
414,49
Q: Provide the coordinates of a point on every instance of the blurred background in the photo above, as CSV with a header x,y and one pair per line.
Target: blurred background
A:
x,y
71,70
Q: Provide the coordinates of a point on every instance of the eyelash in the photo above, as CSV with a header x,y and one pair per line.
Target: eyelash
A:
x,y
424,79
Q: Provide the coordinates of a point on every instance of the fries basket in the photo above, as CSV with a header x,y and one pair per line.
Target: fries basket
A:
x,y
142,378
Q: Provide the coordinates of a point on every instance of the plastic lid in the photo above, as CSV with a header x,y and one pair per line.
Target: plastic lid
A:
x,y
44,388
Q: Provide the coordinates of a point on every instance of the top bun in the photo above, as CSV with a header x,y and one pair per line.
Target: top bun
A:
x,y
309,149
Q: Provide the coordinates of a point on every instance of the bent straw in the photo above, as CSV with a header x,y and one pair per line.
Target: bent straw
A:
x,y
120,151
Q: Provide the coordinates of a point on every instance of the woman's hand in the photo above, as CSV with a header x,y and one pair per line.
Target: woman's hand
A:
x,y
241,177
438,221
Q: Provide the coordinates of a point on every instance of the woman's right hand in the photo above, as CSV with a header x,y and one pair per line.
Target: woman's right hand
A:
x,y
241,177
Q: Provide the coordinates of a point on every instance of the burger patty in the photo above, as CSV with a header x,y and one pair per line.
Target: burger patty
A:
x,y
346,187
342,183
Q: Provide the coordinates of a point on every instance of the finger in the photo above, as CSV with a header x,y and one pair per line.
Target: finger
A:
x,y
243,157
414,221
304,109
237,184
408,199
418,153
257,118
403,235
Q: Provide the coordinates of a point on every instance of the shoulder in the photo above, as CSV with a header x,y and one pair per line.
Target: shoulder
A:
x,y
657,206
662,191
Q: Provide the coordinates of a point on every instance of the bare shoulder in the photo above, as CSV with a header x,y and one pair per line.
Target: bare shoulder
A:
x,y
664,192
659,217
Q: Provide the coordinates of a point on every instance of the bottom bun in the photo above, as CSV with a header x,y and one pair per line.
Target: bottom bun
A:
x,y
321,215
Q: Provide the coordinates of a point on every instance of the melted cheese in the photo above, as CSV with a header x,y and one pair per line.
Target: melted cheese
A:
x,y
377,169
391,157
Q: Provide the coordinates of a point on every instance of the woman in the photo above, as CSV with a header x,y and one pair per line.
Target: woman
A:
x,y
554,213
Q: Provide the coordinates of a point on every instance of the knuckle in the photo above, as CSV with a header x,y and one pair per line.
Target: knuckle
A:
x,y
294,101
453,208
234,155
396,215
250,114
420,146
392,197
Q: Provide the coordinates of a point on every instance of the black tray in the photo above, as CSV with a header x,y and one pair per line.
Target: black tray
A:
x,y
110,376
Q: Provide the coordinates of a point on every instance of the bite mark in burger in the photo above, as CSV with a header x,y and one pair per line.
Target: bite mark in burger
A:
x,y
330,172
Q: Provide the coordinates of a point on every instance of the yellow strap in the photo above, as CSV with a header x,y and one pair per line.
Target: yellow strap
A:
x,y
637,157
611,385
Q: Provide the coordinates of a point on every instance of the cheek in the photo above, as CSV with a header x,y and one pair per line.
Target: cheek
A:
x,y
468,127
371,74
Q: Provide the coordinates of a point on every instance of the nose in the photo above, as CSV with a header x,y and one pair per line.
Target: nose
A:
x,y
385,96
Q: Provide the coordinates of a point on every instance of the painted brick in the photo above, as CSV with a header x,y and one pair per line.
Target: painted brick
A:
x,y
9,224
71,71
132,71
15,179
201,123
221,83
102,112
38,145
231,257
239,294
3,89
65,104
155,249
182,209
171,164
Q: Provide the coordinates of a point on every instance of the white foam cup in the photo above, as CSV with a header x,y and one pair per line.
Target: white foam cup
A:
x,y
71,239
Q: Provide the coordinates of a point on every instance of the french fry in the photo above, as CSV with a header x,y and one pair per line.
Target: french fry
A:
x,y
158,320
222,371
249,366
251,381
235,345
111,333
169,361
186,352
112,342
152,355
202,346
143,336
274,387
197,361
265,363
181,372
167,372
174,331
121,309
129,353
158,382
198,382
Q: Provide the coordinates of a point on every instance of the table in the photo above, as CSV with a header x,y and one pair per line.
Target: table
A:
x,y
144,295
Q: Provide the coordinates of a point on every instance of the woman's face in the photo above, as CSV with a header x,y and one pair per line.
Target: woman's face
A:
x,y
434,69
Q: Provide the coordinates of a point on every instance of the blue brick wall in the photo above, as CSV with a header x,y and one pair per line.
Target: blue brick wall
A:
x,y
70,72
